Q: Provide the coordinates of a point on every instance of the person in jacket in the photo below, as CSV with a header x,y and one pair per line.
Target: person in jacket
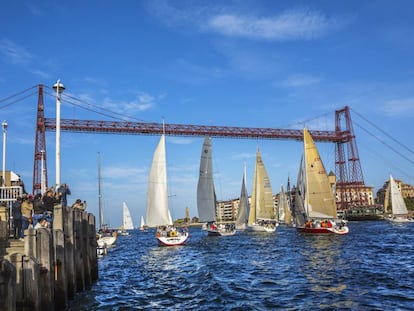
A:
x,y
17,218
27,213
63,191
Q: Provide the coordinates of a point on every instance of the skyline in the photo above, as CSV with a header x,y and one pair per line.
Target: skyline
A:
x,y
242,63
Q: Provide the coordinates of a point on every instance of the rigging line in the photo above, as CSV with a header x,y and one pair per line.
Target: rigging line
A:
x,y
100,108
89,109
17,100
388,162
384,143
302,123
382,131
19,93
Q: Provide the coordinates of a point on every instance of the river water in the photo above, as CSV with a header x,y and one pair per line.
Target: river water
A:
x,y
372,268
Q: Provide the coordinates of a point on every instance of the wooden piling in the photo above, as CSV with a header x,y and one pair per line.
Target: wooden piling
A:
x,y
69,252
45,271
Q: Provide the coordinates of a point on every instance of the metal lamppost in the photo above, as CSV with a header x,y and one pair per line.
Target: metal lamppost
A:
x,y
4,126
42,176
59,88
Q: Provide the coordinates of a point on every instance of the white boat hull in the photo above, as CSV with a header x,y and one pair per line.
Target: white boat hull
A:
x,y
263,228
108,240
220,232
399,219
179,239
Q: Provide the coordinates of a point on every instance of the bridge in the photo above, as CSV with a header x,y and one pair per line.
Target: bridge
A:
x,y
348,168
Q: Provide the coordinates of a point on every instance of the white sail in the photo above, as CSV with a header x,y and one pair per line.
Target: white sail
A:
x,y
244,206
158,213
397,200
262,203
320,200
284,210
127,219
299,213
142,225
206,197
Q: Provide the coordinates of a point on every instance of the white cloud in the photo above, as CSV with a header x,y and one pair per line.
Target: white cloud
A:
x,y
124,173
399,107
42,74
14,53
300,80
290,25
142,102
180,141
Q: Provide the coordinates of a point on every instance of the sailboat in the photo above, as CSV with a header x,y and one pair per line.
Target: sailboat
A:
x,y
262,216
142,224
127,223
106,237
206,196
299,214
285,215
318,199
399,209
158,213
244,206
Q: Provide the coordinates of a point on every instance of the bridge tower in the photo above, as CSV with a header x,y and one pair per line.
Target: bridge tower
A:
x,y
40,146
350,180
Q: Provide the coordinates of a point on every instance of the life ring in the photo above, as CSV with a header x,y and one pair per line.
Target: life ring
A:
x,y
173,233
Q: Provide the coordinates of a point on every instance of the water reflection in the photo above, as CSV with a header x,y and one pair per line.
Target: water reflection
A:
x,y
324,268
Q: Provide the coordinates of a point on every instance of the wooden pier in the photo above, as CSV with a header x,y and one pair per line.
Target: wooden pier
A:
x,y
44,271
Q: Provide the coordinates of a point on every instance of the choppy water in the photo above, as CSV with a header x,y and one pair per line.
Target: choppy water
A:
x,y
372,268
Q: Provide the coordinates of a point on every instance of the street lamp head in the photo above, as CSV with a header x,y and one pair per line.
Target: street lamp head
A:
x,y
58,87
4,125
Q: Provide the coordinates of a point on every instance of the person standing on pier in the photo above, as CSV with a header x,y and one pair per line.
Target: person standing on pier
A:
x,y
63,191
27,211
38,209
17,218
49,200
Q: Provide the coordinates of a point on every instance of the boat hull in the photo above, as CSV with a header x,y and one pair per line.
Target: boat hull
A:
x,y
342,230
212,232
399,219
172,240
261,228
108,240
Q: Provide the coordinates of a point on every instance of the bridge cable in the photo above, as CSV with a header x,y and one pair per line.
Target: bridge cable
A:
x,y
384,143
18,99
382,131
99,108
92,110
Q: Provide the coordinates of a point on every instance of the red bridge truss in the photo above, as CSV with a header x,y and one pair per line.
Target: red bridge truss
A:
x,y
348,168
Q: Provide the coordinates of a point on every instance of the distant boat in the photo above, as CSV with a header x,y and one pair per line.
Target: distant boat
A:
x,y
127,223
105,237
206,195
317,202
262,216
158,213
285,215
244,206
142,224
399,209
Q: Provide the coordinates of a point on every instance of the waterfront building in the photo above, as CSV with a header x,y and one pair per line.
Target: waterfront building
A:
x,y
226,210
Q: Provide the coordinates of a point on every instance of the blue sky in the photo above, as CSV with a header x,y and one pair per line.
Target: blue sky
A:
x,y
282,64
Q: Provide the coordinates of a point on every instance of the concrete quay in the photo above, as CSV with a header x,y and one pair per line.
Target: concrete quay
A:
x,y
50,266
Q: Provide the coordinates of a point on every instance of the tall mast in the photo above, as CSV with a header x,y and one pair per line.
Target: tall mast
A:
x,y
99,192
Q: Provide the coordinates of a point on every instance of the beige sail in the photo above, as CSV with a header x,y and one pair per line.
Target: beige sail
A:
x,y
262,206
320,201
284,207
